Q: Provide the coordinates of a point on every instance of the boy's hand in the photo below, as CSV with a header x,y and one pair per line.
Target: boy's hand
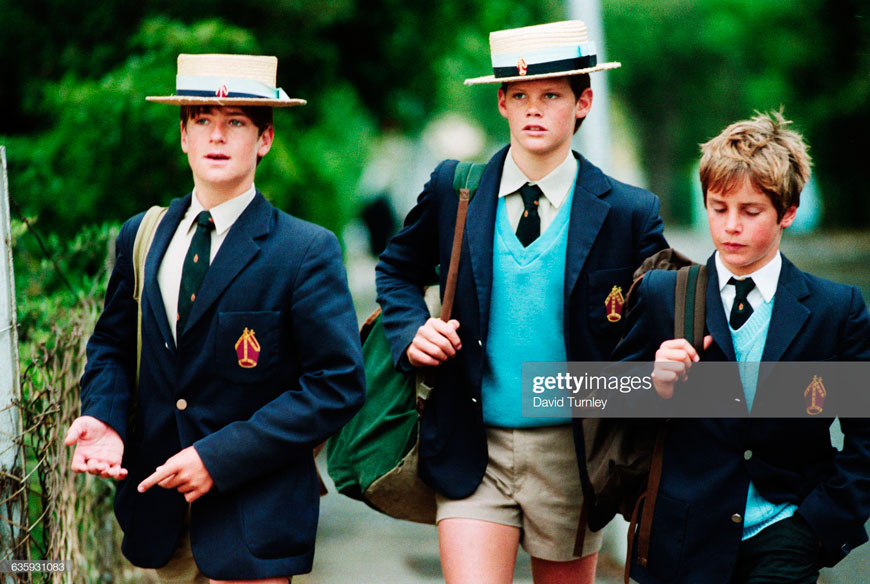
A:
x,y
99,449
183,472
673,360
435,342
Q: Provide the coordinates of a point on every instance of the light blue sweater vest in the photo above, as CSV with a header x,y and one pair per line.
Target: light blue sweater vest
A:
x,y
749,343
526,312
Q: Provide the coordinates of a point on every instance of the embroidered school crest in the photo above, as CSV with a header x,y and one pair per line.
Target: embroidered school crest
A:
x,y
613,303
247,349
222,91
814,396
521,66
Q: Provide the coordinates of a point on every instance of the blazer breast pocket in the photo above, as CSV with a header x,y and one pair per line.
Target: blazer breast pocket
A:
x,y
247,345
607,290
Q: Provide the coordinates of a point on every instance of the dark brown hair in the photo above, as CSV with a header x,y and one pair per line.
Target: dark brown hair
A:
x,y
260,116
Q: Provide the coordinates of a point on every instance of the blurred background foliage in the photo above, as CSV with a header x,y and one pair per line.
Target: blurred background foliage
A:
x,y
692,67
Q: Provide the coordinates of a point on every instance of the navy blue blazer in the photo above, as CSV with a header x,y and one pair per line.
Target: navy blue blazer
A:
x,y
254,427
708,463
613,227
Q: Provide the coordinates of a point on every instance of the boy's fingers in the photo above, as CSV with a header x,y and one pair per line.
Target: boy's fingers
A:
x,y
708,340
446,330
73,434
78,463
435,343
418,358
160,473
171,481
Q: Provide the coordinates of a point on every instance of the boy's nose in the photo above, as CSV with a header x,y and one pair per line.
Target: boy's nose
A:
x,y
732,223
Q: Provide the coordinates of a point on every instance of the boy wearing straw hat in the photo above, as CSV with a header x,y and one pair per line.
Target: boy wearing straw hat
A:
x,y
213,448
551,242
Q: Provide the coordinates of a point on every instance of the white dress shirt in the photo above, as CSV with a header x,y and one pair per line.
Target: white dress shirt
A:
x,y
169,273
555,187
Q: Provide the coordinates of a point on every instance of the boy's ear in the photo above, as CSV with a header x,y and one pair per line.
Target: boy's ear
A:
x,y
265,141
788,217
584,103
183,137
502,107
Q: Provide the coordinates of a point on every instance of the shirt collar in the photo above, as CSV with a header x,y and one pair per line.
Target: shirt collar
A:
x,y
765,278
555,185
223,215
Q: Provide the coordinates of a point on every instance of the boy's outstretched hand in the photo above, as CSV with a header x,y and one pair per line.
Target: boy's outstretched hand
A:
x,y
183,472
673,360
99,449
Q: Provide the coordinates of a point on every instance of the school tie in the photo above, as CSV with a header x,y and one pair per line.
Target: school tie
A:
x,y
195,267
529,227
741,310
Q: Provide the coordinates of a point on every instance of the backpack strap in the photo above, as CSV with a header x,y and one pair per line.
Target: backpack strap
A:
x,y
690,304
690,298
141,245
466,178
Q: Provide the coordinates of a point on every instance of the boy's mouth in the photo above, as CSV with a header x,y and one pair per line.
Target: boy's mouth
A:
x,y
217,156
533,128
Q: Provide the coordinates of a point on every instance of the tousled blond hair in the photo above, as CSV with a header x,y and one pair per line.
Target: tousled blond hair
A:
x,y
763,150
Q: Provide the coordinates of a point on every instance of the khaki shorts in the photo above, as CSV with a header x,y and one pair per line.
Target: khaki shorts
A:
x,y
531,482
181,568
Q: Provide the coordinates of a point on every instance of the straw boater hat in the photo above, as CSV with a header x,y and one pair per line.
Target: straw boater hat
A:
x,y
222,80
545,50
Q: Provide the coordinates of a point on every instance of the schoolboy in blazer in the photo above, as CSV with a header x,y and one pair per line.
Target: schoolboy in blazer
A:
x,y
217,439
753,499
611,228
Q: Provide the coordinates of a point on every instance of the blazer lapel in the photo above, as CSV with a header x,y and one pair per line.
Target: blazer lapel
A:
x,y
789,314
152,296
717,324
588,212
235,252
479,233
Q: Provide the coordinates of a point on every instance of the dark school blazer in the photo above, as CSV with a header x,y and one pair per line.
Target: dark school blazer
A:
x,y
708,463
613,227
278,290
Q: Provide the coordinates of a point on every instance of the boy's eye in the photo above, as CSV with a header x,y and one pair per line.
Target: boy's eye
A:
x,y
236,123
551,95
518,95
718,209
200,121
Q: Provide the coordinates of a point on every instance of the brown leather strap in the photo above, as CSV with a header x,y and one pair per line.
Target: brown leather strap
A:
x,y
632,528
700,308
580,539
453,270
680,304
652,491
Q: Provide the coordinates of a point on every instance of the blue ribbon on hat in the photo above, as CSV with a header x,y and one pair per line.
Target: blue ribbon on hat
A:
x,y
207,86
542,61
